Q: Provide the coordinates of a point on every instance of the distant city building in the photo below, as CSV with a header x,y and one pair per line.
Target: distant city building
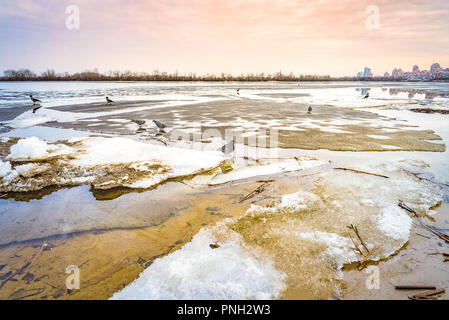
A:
x,y
436,72
435,67
366,73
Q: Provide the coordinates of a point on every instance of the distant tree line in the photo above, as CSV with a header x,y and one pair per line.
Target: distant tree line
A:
x,y
156,75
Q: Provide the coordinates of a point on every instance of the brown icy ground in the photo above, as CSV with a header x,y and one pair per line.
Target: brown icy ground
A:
x,y
64,164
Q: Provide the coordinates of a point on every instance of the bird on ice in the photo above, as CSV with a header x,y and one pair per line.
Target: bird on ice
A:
x,y
108,101
138,122
238,91
160,125
34,99
228,148
366,96
309,110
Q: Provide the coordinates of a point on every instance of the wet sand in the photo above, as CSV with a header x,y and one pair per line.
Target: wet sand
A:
x,y
336,129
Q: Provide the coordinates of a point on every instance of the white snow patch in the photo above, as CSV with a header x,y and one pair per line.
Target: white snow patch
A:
x,y
29,148
394,222
5,168
198,272
338,247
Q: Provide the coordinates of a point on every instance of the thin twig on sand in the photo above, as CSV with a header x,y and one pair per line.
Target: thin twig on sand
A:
x,y
426,295
356,247
356,231
407,208
441,235
360,171
360,267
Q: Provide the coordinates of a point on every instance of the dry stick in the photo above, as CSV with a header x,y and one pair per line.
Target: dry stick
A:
x,y
358,236
430,180
427,294
405,207
258,190
366,257
415,287
355,245
439,234
443,236
359,171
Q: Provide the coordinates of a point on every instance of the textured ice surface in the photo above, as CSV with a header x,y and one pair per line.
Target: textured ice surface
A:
x,y
198,272
104,162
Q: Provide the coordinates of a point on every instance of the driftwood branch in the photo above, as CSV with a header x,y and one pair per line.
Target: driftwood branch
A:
x,y
356,247
356,231
426,295
360,267
364,172
441,235
258,190
427,179
414,287
407,208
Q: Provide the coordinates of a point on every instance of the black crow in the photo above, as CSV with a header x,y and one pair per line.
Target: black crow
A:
x,y
34,99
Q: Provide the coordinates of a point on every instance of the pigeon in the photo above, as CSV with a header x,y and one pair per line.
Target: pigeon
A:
x,y
228,148
366,96
34,99
159,124
108,101
138,122
161,127
309,110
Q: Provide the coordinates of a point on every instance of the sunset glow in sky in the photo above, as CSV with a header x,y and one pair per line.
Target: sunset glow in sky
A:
x,y
213,36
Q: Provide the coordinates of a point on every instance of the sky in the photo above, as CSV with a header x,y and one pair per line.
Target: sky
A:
x,y
325,37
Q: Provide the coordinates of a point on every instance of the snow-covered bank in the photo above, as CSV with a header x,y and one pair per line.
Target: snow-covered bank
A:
x,y
103,162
